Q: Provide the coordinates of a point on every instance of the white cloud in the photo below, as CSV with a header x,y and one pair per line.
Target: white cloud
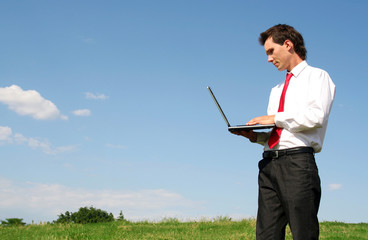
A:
x,y
334,186
82,112
44,145
117,146
29,103
96,96
6,135
49,200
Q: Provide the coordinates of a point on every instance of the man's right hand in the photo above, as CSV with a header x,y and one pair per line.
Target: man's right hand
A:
x,y
252,136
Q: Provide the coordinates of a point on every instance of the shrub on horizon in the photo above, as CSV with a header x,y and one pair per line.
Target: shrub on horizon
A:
x,y
13,222
86,215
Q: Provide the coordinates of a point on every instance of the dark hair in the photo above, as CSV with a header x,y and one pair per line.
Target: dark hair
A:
x,y
282,32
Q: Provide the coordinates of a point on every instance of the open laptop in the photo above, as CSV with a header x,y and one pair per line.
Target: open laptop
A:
x,y
238,127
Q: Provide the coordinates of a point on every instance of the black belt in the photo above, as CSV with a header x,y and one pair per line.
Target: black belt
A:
x,y
283,152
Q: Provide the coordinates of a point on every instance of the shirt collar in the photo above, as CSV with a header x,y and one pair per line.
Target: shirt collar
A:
x,y
299,68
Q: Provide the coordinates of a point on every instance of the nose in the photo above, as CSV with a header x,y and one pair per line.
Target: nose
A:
x,y
270,58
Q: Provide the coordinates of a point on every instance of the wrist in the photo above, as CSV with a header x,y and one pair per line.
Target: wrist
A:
x,y
253,138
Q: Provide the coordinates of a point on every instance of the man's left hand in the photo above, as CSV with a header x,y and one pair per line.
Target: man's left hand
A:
x,y
269,119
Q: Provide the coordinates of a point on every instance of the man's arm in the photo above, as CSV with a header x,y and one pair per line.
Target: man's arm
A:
x,y
313,109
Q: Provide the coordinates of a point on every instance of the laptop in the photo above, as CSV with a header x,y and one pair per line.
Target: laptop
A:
x,y
238,127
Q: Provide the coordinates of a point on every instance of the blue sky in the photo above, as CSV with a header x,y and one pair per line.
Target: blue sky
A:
x,y
104,104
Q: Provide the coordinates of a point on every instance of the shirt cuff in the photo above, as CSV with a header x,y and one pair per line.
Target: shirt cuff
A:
x,y
262,137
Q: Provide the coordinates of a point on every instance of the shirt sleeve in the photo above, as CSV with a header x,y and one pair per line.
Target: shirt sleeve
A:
x,y
262,137
314,109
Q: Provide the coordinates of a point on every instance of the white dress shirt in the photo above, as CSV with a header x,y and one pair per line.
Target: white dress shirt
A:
x,y
308,102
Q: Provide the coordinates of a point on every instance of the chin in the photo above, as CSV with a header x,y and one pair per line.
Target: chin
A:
x,y
281,68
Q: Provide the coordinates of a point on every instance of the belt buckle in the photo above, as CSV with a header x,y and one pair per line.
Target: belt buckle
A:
x,y
276,154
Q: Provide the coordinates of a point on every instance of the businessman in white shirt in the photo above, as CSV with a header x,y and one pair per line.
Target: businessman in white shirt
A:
x,y
289,183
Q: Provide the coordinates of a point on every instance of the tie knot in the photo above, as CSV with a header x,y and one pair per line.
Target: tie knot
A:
x,y
288,76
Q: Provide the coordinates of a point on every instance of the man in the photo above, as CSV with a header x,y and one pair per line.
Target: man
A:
x,y
289,184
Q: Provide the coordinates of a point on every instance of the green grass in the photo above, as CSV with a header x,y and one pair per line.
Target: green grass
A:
x,y
169,229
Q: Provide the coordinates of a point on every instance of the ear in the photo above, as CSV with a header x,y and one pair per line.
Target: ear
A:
x,y
289,44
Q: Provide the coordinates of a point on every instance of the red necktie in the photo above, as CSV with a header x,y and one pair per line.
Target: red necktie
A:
x,y
276,131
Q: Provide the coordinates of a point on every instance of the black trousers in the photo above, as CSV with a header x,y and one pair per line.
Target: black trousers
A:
x,y
289,192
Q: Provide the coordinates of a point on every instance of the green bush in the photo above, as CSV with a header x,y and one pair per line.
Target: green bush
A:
x,y
13,222
86,215
121,217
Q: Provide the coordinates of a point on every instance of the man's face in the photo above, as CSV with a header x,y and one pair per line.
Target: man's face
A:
x,y
277,54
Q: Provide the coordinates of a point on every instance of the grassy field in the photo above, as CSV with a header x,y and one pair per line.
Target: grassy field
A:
x,y
170,229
